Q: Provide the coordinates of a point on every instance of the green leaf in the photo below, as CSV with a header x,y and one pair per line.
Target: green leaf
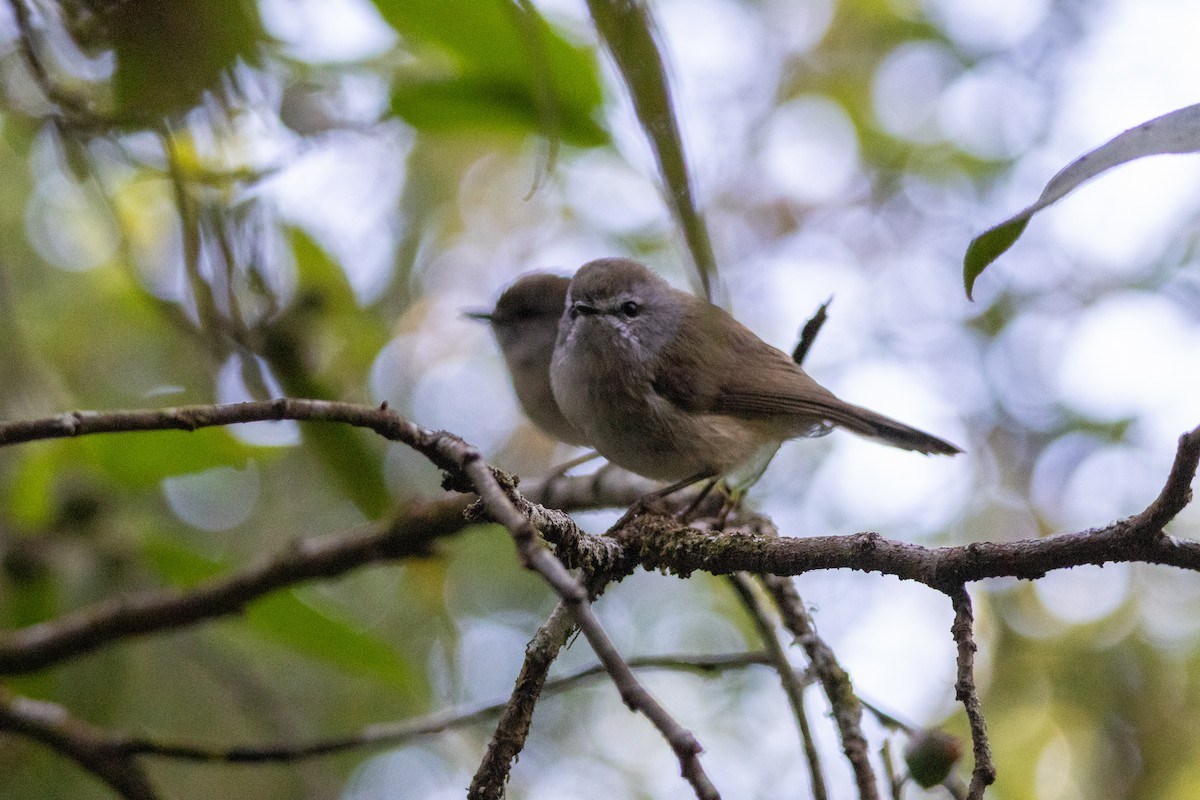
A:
x,y
327,303
143,459
1173,133
296,620
441,106
293,618
494,64
327,312
988,246
356,465
29,497
175,562
169,53
627,30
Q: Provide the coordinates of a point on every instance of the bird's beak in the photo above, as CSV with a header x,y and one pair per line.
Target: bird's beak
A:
x,y
483,316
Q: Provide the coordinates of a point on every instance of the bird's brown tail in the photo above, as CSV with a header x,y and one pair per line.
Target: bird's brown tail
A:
x,y
865,422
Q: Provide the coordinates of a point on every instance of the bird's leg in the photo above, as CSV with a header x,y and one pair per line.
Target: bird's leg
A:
x,y
733,502
685,516
649,502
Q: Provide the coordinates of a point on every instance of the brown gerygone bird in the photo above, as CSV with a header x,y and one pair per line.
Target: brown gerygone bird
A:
x,y
525,323
674,388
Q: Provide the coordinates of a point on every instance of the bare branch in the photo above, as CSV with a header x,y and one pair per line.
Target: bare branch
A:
x,y
653,541
685,550
517,712
535,555
395,733
189,418
984,773
656,542
608,487
97,626
847,712
793,684
1177,492
93,749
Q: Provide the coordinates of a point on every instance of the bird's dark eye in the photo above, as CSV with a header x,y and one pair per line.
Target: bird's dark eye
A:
x,y
630,308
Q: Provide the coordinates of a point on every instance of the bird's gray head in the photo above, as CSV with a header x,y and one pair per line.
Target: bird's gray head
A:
x,y
616,302
528,311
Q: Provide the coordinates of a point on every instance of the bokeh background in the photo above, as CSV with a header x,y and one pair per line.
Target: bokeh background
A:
x,y
365,172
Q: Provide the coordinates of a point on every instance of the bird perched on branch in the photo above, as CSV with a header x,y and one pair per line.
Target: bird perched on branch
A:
x,y
672,387
525,323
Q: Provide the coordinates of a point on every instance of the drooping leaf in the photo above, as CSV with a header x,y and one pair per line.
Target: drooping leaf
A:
x,y
988,246
295,620
1176,132
292,618
480,102
325,308
628,31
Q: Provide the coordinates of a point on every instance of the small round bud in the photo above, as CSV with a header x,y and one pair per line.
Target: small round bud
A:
x,y
930,755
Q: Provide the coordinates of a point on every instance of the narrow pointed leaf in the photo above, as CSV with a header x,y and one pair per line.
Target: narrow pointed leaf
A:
x,y
628,32
1176,132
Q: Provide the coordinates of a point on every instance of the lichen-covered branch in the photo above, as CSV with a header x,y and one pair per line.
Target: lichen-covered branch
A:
x,y
792,683
652,541
984,772
516,717
501,503
847,711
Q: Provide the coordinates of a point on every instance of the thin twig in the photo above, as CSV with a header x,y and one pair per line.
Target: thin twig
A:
x,y
516,716
793,685
984,772
808,334
535,555
895,781
92,748
1177,492
39,719
106,623
847,712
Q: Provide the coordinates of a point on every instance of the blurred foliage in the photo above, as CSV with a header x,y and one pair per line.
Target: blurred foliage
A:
x,y
506,70
167,54
200,205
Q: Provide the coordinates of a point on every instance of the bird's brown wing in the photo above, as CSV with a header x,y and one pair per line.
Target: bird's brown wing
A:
x,y
718,366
